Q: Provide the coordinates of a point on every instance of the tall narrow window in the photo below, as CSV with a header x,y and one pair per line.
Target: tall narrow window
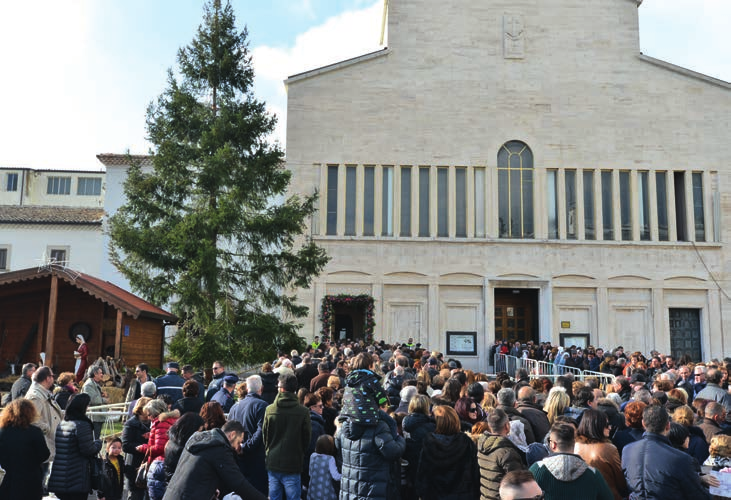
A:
x,y
442,201
460,209
368,199
552,200
699,218
3,259
589,226
350,201
405,201
625,210
424,201
515,190
11,182
681,219
607,204
332,200
480,203
661,187
644,205
387,203
572,217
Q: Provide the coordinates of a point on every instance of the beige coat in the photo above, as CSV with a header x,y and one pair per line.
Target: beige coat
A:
x,y
49,412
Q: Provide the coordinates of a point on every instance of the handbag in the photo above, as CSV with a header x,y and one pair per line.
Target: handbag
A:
x,y
97,472
141,476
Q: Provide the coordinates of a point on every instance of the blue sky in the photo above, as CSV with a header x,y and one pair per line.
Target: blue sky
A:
x,y
77,75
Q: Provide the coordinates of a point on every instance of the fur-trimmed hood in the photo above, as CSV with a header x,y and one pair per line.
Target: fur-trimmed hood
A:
x,y
564,466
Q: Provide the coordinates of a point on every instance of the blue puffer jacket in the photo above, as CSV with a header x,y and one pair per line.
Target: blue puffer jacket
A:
x,y
75,445
156,480
656,471
367,455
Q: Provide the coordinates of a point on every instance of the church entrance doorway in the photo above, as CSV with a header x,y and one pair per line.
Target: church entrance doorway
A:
x,y
349,322
516,314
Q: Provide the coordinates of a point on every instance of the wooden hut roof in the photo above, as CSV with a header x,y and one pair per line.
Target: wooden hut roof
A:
x,y
103,290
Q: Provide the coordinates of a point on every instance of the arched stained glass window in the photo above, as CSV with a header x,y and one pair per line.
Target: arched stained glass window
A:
x,y
515,190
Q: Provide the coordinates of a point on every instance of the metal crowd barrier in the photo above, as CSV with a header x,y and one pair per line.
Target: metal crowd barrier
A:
x,y
115,412
535,369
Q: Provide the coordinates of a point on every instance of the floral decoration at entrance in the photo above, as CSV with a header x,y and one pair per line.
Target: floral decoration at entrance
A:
x,y
327,313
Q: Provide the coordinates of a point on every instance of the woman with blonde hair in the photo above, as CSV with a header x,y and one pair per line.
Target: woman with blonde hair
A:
x,y
697,445
720,452
556,404
448,466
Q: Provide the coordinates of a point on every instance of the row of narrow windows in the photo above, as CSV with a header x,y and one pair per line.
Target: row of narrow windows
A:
x,y
589,204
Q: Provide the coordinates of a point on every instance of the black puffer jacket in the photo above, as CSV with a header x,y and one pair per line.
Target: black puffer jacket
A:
x,y
132,437
448,468
367,454
75,445
496,456
416,427
208,464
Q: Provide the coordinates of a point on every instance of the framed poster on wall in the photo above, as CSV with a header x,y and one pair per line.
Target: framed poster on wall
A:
x,y
574,339
462,343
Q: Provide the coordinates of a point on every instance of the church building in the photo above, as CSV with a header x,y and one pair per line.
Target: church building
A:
x,y
516,170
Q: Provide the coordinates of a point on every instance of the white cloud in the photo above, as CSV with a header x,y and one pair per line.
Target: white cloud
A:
x,y
341,37
45,81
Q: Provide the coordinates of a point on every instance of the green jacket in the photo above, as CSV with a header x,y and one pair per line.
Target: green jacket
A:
x,y
286,433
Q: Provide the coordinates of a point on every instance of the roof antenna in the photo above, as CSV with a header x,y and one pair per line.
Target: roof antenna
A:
x,y
383,21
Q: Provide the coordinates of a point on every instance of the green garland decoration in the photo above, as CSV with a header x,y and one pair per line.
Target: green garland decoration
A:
x,y
327,313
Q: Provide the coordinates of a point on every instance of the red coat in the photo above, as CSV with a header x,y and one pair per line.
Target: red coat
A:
x,y
83,351
159,435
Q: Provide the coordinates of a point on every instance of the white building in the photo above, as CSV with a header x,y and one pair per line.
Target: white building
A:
x,y
51,215
518,170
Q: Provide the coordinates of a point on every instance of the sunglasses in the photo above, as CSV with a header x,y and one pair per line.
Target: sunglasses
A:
x,y
537,497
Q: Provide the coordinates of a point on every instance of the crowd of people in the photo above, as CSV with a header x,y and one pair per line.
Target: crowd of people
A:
x,y
353,421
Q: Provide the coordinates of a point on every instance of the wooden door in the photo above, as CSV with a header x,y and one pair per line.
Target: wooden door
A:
x,y
514,316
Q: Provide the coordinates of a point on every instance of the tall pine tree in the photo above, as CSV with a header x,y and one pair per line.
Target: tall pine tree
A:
x,y
209,230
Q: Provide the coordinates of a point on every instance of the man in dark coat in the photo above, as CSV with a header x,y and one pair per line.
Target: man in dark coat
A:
x,y
306,372
219,372
21,386
171,383
656,470
208,464
506,402
531,412
250,413
224,396
286,431
323,370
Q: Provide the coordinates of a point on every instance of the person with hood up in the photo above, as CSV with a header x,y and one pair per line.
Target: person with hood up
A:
x,y
364,395
563,475
448,468
208,464
370,457
496,455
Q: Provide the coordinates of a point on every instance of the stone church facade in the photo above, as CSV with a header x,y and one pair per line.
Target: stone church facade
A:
x,y
518,170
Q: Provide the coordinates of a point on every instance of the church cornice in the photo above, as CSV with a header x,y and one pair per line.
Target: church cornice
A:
x,y
685,71
335,66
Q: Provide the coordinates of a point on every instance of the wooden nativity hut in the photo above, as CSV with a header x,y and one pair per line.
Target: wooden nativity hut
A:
x,y
43,309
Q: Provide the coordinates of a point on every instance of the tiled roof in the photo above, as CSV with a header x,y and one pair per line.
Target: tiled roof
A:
x,y
110,159
13,214
102,290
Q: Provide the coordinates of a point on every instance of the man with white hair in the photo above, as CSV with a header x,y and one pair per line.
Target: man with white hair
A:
x,y
250,412
407,394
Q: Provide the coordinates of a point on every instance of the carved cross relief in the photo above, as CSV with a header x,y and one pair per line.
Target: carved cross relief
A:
x,y
513,36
